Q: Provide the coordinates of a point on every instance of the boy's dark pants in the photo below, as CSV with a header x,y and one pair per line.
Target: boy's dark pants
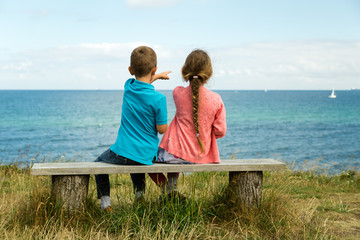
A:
x,y
102,180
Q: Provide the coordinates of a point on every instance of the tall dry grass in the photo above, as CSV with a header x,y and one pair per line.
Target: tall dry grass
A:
x,y
296,205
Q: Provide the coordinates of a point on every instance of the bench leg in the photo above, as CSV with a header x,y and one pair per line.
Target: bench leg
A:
x,y
70,190
246,187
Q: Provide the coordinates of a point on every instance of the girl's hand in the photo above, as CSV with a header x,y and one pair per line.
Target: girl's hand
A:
x,y
163,76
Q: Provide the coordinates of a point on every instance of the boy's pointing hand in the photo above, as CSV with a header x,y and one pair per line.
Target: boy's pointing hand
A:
x,y
163,76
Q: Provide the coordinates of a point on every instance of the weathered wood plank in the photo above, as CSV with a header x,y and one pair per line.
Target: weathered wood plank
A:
x,y
85,168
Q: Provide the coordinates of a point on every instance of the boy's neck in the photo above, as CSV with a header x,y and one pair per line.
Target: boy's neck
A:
x,y
145,79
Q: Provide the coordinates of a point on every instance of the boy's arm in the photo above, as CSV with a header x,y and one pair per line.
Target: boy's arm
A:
x,y
161,128
163,75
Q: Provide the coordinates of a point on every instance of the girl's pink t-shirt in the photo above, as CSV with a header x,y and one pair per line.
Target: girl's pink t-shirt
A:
x,y
180,137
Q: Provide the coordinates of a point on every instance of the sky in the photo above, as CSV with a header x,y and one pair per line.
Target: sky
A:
x,y
253,45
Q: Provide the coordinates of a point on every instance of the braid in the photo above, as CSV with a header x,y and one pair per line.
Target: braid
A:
x,y
197,64
195,84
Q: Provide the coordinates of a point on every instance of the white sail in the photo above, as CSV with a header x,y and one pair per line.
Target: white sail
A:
x,y
332,95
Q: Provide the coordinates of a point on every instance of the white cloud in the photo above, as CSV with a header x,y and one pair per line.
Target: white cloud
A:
x,y
111,47
17,66
287,65
151,3
90,76
38,13
290,65
285,68
22,76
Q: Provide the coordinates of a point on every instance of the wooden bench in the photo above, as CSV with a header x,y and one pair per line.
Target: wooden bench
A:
x,y
70,180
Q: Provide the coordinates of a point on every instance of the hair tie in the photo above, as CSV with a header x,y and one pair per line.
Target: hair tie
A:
x,y
195,76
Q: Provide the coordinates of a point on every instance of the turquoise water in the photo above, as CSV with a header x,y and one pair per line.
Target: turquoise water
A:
x,y
296,127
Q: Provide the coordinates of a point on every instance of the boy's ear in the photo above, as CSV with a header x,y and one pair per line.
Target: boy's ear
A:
x,y
153,71
130,71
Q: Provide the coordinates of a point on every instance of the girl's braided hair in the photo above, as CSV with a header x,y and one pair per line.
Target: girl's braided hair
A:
x,y
197,70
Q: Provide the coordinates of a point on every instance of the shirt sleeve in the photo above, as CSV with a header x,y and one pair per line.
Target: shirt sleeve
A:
x,y
161,113
219,125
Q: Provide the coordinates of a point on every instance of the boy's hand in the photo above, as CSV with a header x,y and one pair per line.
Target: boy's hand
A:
x,y
163,76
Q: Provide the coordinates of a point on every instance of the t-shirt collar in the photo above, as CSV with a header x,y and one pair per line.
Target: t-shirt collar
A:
x,y
140,84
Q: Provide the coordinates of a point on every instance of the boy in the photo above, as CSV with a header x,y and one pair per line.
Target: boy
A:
x,y
144,114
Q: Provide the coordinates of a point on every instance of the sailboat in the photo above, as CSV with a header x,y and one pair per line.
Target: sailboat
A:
x,y
332,95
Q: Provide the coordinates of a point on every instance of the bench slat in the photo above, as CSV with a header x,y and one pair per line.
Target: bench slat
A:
x,y
85,168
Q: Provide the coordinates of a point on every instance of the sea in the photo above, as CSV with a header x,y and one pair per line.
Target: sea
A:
x,y
305,129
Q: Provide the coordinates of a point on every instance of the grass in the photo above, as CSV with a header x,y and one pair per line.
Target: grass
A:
x,y
296,205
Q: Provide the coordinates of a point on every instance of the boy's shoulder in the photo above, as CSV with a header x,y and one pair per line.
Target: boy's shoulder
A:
x,y
142,90
157,96
127,82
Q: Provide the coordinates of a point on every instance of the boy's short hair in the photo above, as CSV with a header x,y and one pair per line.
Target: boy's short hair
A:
x,y
142,61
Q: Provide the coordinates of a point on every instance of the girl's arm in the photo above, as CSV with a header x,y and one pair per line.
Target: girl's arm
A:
x,y
219,125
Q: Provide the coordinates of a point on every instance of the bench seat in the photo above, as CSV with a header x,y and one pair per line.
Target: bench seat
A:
x,y
86,168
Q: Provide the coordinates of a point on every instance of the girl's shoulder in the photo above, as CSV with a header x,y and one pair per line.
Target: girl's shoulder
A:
x,y
179,90
211,94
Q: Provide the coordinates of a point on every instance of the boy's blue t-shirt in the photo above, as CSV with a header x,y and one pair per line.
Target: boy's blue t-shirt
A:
x,y
143,108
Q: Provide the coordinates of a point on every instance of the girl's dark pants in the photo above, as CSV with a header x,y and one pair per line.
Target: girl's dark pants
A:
x,y
102,180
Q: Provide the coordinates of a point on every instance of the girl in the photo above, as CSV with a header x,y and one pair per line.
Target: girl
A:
x,y
199,120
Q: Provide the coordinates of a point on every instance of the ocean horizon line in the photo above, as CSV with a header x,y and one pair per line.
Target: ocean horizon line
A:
x,y
265,90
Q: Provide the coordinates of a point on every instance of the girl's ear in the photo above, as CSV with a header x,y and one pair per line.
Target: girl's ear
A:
x,y
130,71
153,71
